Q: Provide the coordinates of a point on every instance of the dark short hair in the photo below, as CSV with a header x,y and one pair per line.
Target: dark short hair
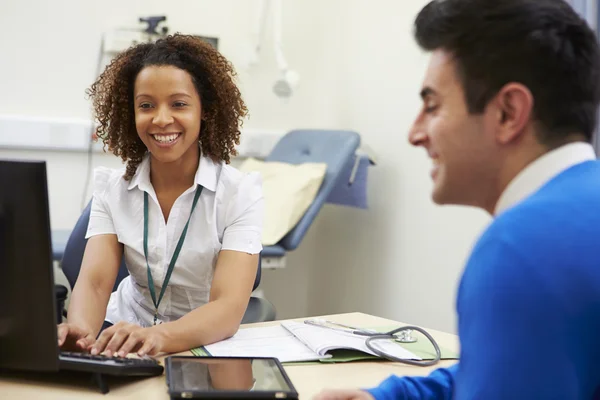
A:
x,y
542,44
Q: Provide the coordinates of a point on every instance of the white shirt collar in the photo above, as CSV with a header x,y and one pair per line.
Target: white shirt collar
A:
x,y
542,170
206,174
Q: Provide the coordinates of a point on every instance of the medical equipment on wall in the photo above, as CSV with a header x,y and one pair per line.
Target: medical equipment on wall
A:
x,y
119,39
288,78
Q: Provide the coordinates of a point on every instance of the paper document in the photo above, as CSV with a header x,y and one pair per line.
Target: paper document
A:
x,y
271,341
295,341
321,340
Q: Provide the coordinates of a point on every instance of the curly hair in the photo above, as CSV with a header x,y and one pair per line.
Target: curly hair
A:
x,y
213,76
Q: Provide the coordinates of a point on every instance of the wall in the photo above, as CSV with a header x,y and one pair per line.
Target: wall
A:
x,y
401,259
359,70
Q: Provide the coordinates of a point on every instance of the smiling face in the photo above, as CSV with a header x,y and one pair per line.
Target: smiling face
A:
x,y
168,113
461,145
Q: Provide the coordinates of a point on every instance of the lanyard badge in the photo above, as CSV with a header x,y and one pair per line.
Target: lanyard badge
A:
x,y
175,253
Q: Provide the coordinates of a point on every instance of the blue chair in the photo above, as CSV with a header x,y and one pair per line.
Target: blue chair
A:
x,y
258,309
337,149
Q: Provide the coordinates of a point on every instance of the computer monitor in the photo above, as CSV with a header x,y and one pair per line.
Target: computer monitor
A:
x,y
28,338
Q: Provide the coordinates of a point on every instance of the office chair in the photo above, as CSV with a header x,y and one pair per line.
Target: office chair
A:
x,y
335,148
258,310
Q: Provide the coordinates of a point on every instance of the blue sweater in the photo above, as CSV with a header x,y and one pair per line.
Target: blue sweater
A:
x,y
528,303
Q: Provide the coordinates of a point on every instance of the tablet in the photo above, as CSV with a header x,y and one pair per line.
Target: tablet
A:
x,y
227,377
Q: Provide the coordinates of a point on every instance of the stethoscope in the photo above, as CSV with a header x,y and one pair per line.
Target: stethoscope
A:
x,y
401,335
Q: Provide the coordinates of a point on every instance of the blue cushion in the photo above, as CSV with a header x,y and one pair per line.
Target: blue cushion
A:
x,y
273,251
333,147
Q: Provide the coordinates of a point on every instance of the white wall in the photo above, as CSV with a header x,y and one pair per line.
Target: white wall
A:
x,y
403,258
359,68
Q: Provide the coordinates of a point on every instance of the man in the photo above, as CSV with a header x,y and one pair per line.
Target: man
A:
x,y
509,107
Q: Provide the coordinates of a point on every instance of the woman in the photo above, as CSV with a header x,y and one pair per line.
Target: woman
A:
x,y
188,224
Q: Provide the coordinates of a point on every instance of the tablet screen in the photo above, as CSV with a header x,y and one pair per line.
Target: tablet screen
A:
x,y
222,374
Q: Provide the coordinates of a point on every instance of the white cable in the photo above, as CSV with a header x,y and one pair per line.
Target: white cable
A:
x,y
285,85
277,17
258,30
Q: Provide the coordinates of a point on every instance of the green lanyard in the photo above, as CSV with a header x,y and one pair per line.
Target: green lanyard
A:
x,y
175,254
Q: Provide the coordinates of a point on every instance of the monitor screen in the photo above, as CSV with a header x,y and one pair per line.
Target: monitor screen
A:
x,y
28,339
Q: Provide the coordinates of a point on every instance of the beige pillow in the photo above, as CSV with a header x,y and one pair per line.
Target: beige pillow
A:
x,y
288,190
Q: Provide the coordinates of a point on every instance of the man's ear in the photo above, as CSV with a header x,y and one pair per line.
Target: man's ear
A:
x,y
514,109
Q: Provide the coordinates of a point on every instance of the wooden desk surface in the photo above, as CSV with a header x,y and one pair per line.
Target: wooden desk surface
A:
x,y
308,379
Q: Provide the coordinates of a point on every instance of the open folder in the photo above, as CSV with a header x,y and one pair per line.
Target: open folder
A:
x,y
295,342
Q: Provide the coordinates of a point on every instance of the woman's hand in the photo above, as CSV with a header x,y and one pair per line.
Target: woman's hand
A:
x,y
72,337
123,338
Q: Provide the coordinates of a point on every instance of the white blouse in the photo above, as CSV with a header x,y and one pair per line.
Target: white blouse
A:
x,y
228,216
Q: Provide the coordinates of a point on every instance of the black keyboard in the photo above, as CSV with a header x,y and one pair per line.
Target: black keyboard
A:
x,y
86,362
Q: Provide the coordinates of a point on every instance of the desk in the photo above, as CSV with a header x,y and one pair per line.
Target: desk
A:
x,y
308,379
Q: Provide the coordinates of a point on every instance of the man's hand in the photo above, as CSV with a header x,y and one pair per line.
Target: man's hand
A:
x,y
72,337
123,338
347,394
